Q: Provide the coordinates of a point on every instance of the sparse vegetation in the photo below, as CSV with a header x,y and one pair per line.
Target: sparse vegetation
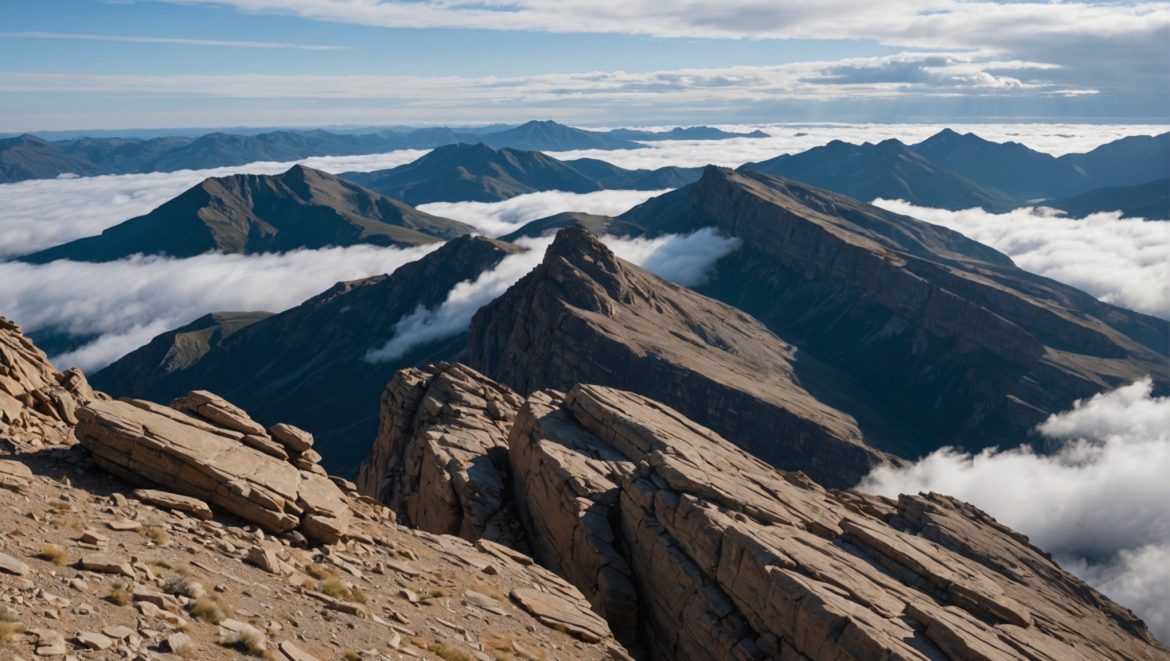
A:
x,y
9,632
157,534
351,655
338,589
449,652
120,595
54,553
437,593
211,609
250,640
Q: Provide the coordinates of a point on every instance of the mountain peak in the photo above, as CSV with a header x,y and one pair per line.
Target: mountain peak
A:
x,y
576,256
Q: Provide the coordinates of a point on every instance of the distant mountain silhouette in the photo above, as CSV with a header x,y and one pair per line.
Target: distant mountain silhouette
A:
x,y
302,208
476,172
30,157
956,171
1149,200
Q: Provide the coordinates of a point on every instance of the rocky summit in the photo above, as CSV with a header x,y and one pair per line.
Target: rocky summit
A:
x,y
584,316
693,549
191,531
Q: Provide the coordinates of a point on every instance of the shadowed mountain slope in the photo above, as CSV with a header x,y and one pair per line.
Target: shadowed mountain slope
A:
x,y
247,214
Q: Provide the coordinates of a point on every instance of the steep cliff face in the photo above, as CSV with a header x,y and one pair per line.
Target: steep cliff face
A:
x,y
729,558
941,332
440,460
584,316
693,549
38,404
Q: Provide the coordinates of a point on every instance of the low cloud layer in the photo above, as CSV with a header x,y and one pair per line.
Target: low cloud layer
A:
x,y
41,213
1123,261
127,302
499,218
1098,504
1055,139
684,259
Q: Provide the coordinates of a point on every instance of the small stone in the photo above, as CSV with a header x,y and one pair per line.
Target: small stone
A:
x,y
294,653
10,565
107,564
265,558
173,501
118,632
178,643
94,641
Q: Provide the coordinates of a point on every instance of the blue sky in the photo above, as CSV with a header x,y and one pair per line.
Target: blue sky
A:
x,y
90,64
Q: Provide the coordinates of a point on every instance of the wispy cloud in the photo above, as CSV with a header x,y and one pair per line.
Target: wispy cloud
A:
x,y
499,218
935,74
140,39
1098,503
123,304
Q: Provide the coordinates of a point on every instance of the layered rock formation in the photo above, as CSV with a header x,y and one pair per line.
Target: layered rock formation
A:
x,y
584,316
441,459
207,448
96,568
38,404
693,549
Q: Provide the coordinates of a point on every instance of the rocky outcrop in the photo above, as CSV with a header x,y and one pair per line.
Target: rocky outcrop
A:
x,y
716,555
584,316
207,448
38,404
441,460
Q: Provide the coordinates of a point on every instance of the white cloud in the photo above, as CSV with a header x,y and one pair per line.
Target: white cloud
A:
x,y
684,259
41,213
1099,503
127,302
932,23
1123,261
139,39
791,138
499,218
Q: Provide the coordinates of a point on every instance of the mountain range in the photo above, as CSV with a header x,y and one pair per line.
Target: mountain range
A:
x,y
957,171
28,156
479,173
248,214
844,320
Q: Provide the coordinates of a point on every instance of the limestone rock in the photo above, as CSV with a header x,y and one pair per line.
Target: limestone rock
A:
x,y
715,555
14,476
144,442
440,459
107,564
295,439
174,501
10,565
38,403
562,614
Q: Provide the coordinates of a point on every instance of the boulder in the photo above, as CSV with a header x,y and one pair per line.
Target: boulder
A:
x,y
152,444
440,458
173,501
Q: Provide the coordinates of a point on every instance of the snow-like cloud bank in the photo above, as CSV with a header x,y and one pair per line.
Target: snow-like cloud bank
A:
x,y
1123,261
791,138
124,304
499,218
1099,504
40,213
682,258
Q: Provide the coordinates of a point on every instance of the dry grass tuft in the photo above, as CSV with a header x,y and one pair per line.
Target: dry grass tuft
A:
x,y
211,608
120,595
54,553
10,631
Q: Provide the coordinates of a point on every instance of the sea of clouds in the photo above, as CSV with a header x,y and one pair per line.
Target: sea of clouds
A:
x,y
1124,261
1099,504
1055,139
